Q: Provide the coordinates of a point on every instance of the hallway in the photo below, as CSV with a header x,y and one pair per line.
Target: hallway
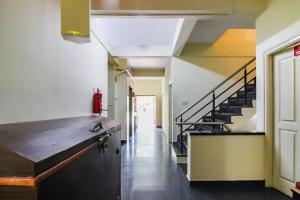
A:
x,y
150,173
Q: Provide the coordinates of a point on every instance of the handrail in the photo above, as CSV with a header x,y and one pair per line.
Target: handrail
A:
x,y
218,96
200,123
217,106
215,88
204,123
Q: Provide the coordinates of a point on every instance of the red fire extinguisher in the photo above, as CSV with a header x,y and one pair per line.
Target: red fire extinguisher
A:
x,y
97,102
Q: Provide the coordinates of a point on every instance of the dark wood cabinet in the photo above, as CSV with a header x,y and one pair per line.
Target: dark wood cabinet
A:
x,y
296,194
60,160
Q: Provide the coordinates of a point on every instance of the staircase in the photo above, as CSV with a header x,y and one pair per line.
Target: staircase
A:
x,y
213,113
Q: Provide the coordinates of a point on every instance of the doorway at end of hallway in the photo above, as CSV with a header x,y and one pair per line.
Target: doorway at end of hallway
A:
x,y
146,113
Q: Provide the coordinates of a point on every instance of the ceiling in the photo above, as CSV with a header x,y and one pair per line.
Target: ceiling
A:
x,y
147,42
138,36
148,62
137,31
147,32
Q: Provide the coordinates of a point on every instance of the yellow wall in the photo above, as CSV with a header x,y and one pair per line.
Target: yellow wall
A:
x,y
276,28
278,15
226,55
234,42
226,158
148,73
151,87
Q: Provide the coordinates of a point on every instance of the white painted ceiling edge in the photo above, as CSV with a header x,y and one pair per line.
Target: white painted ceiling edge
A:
x,y
144,36
147,62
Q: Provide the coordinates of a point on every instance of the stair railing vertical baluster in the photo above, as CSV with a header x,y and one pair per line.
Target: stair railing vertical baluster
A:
x,y
245,86
181,135
214,108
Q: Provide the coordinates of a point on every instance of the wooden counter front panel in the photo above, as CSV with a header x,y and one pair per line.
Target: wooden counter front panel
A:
x,y
17,193
96,175
12,164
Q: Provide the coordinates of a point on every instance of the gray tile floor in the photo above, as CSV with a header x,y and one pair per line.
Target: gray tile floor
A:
x,y
150,173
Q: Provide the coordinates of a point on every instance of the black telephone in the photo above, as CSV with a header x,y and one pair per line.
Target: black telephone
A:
x,y
97,127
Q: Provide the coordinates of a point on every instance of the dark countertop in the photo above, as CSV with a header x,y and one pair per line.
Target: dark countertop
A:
x,y
46,143
197,133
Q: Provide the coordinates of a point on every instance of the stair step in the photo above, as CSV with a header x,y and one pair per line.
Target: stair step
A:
x,y
184,136
241,94
239,99
228,105
212,131
208,119
209,127
230,109
177,149
224,117
240,102
251,86
227,113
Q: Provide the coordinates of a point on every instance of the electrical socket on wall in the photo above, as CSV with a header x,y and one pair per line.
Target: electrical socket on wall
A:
x,y
185,102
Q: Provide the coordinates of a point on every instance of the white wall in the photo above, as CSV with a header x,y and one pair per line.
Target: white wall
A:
x,y
41,75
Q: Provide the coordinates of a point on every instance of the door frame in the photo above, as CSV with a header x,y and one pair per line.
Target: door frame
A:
x,y
285,54
170,113
278,43
130,109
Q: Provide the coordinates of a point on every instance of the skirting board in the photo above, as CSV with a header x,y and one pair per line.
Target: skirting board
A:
x,y
123,142
229,184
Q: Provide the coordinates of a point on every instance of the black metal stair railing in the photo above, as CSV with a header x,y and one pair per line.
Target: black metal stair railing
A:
x,y
208,105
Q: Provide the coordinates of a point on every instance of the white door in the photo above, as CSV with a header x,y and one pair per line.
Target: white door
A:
x,y
287,121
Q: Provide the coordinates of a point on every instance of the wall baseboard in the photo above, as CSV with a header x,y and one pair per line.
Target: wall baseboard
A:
x,y
229,184
123,142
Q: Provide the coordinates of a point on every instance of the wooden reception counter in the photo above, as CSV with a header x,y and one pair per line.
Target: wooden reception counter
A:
x,y
60,160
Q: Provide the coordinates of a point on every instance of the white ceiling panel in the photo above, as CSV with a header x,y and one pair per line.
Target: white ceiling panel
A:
x,y
148,62
137,31
138,36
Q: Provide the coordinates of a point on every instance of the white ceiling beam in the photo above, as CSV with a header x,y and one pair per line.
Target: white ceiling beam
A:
x,y
183,35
